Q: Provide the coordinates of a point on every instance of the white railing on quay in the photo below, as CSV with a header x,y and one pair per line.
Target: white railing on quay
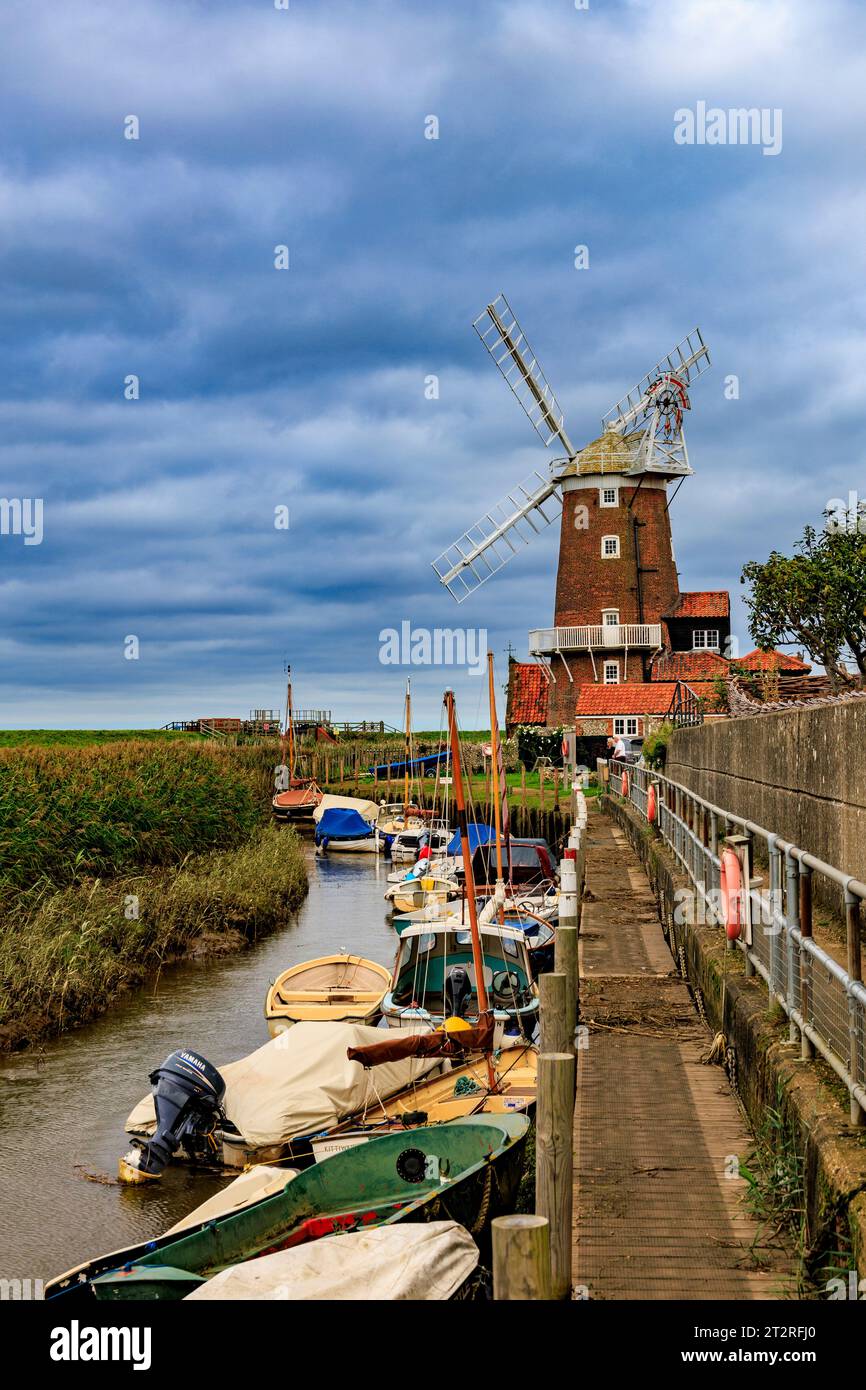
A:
x,y
825,1002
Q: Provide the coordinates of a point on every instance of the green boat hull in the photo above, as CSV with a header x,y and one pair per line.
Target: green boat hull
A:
x,y
466,1171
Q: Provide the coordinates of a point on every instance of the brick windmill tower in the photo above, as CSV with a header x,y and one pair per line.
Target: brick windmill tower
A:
x,y
618,604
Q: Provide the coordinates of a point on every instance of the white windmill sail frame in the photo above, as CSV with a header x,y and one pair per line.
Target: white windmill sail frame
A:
x,y
504,339
687,361
490,543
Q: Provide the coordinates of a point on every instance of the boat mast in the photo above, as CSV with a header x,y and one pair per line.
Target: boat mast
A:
x,y
290,726
497,808
408,751
468,879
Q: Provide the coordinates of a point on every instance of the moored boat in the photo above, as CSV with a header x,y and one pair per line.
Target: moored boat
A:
x,y
297,1085
295,798
462,1091
467,1171
435,977
330,989
433,1262
346,824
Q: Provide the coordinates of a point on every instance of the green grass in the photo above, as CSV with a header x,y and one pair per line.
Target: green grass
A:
x,y
85,738
66,955
66,813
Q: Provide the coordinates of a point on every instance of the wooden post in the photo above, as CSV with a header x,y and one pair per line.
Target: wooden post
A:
x,y
523,786
553,1011
342,770
521,1258
554,1177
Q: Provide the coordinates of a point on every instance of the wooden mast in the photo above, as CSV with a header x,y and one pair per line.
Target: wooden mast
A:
x,y
468,877
497,807
290,727
407,751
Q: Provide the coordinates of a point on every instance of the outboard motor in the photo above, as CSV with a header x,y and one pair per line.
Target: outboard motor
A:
x,y
458,989
188,1093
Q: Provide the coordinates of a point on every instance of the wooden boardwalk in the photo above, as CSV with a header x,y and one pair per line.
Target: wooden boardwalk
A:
x,y
655,1214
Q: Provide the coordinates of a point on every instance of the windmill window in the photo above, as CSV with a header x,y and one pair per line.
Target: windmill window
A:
x,y
705,639
610,547
609,497
611,673
610,617
625,726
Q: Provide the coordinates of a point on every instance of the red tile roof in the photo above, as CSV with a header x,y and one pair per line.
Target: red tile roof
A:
x,y
629,697
688,666
772,661
528,689
703,603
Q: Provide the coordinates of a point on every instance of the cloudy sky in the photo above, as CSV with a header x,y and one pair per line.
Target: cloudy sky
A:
x,y
305,388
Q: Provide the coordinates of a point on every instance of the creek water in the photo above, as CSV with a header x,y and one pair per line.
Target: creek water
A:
x,y
62,1111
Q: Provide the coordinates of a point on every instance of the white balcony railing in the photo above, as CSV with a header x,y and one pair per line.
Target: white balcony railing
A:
x,y
575,639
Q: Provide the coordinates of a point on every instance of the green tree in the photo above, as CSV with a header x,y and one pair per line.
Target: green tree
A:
x,y
816,597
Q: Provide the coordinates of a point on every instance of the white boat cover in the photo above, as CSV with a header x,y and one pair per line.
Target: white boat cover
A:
x,y
424,1262
301,1082
368,809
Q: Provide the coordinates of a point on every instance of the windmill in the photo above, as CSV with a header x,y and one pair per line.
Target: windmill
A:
x,y
642,436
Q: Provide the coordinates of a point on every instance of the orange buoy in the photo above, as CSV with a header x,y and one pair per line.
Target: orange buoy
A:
x,y
625,783
731,883
651,804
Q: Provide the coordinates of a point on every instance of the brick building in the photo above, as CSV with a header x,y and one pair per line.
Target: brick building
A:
x,y
620,618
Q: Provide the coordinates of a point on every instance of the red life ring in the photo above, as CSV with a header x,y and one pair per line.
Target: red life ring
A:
x,y
730,884
651,804
565,747
625,783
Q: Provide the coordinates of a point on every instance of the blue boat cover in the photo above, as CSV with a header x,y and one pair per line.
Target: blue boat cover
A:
x,y
342,823
478,835
428,761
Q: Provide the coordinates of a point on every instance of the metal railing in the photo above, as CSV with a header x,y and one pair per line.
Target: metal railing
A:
x,y
599,635
825,1003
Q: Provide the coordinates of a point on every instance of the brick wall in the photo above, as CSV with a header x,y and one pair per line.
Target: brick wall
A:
x,y
586,583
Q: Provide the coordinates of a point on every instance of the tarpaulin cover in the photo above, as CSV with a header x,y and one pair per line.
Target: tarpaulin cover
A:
x,y
368,809
478,835
342,823
386,1264
300,1083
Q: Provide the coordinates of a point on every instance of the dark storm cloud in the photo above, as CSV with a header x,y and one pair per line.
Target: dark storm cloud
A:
x,y
305,388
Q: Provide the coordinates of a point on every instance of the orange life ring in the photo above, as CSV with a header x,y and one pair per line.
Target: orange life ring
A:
x,y
565,747
625,783
731,884
651,804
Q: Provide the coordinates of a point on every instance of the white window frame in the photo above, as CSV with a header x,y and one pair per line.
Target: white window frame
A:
x,y
610,554
602,500
626,726
610,666
704,645
607,620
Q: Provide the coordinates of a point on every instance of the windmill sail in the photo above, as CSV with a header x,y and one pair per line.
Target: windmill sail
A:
x,y
501,334
490,543
687,361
